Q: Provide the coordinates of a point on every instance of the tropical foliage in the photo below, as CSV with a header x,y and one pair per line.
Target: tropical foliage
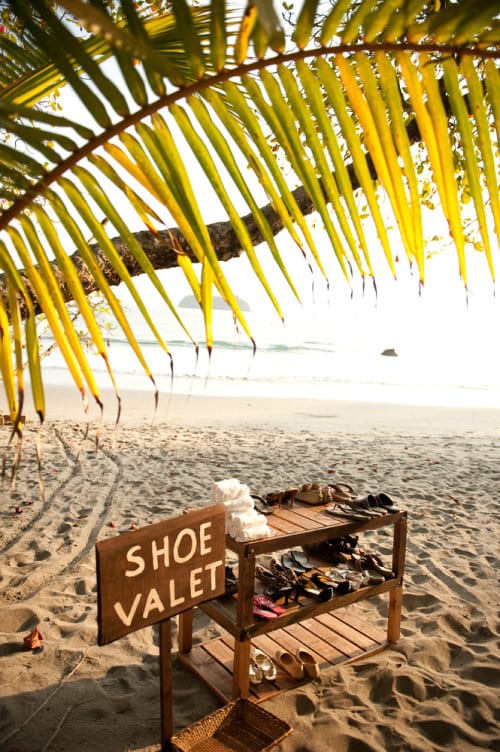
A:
x,y
329,108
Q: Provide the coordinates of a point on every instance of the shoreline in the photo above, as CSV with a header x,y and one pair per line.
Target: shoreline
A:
x,y
279,413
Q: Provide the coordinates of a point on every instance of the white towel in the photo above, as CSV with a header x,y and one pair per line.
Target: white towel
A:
x,y
224,490
262,531
247,526
238,506
246,519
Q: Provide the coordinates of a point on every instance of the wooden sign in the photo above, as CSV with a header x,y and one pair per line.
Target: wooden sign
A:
x,y
150,574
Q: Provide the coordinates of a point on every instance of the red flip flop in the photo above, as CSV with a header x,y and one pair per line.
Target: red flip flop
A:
x,y
265,603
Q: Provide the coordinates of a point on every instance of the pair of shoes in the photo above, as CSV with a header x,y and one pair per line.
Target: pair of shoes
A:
x,y
290,663
310,493
347,510
266,608
372,563
277,586
314,493
340,584
261,505
374,505
336,550
298,665
261,667
282,571
366,507
309,662
273,580
297,561
319,591
341,492
278,498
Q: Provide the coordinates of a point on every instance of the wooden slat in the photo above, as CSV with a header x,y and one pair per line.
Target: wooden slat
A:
x,y
371,630
327,651
324,636
292,521
221,652
327,623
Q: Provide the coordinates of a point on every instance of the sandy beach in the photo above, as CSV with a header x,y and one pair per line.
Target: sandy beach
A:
x,y
436,689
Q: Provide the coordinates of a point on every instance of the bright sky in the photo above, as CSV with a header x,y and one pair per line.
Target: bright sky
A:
x,y
443,292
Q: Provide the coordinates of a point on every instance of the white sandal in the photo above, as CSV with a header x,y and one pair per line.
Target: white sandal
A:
x,y
263,664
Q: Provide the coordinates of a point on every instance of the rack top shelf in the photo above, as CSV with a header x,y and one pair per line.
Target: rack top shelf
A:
x,y
304,524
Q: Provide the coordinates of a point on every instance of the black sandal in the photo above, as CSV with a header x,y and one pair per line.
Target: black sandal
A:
x,y
304,586
261,505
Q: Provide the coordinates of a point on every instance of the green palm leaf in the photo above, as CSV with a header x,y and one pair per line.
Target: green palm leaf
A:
x,y
324,118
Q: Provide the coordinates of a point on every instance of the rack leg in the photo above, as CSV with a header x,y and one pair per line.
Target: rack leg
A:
x,y
396,596
394,616
185,637
241,664
166,684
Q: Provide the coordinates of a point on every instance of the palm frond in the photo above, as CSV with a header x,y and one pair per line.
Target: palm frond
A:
x,y
333,110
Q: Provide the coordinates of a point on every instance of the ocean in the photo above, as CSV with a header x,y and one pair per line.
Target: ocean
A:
x,y
445,343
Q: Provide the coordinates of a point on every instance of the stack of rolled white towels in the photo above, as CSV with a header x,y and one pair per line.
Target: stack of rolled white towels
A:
x,y
243,522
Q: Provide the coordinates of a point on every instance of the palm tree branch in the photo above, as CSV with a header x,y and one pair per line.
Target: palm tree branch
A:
x,y
132,119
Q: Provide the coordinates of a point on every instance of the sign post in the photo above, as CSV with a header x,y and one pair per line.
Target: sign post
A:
x,y
149,575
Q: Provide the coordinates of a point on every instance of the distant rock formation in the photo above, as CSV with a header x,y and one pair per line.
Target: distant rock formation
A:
x,y
218,304
390,352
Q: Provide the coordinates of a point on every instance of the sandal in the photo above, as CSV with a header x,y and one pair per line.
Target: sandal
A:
x,y
373,562
339,510
265,602
341,492
263,663
264,613
288,561
306,587
271,579
261,505
302,560
340,584
280,570
277,593
281,497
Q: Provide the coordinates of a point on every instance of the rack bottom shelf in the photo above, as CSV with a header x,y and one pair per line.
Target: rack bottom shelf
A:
x,y
333,637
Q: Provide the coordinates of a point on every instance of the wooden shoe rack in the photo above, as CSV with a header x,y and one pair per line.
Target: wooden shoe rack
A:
x,y
330,630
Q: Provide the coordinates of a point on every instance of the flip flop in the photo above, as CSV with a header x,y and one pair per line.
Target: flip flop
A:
x,y
264,613
289,561
261,505
266,603
302,560
368,504
348,513
341,492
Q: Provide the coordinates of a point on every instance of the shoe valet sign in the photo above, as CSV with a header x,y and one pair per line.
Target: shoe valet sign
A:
x,y
146,576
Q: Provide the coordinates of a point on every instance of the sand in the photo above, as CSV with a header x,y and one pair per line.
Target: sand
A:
x,y
436,689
